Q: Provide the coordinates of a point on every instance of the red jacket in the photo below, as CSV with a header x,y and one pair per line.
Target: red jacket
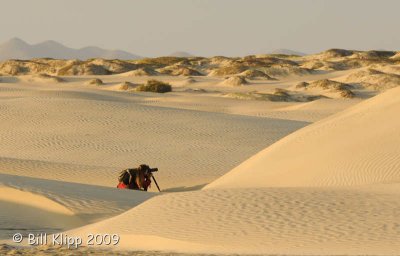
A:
x,y
146,184
122,185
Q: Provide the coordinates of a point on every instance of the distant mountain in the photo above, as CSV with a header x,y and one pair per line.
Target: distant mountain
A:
x,y
181,54
16,48
287,52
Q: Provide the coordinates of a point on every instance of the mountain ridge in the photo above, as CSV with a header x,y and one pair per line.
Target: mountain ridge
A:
x,y
16,48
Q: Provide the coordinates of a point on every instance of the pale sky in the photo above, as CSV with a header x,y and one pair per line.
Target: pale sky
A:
x,y
205,27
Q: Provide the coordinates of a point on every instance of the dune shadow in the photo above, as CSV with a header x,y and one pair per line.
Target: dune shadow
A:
x,y
25,219
184,188
9,79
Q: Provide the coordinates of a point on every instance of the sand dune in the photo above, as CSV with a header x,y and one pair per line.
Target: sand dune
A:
x,y
43,78
39,213
177,70
235,81
355,147
256,74
187,81
245,214
328,87
141,72
304,111
303,221
95,81
266,67
327,188
374,79
89,202
52,206
68,132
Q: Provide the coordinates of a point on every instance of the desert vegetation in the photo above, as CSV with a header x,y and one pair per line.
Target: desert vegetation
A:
x,y
235,81
145,71
254,66
373,79
256,74
127,86
95,81
279,95
374,71
154,86
342,89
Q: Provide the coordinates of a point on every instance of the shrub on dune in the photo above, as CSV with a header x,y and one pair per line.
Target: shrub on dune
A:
x,y
343,90
235,81
155,86
302,85
186,72
256,74
228,70
336,53
142,72
160,61
95,81
374,79
127,86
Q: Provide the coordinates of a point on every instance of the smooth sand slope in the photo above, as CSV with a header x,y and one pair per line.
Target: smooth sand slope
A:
x,y
267,221
355,147
13,219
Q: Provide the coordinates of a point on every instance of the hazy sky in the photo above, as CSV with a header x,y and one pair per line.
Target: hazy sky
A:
x,y
205,27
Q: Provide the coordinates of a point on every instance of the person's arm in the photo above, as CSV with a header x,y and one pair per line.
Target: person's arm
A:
x,y
147,181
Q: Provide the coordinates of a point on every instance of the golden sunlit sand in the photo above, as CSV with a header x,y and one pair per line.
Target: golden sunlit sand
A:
x,y
279,155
